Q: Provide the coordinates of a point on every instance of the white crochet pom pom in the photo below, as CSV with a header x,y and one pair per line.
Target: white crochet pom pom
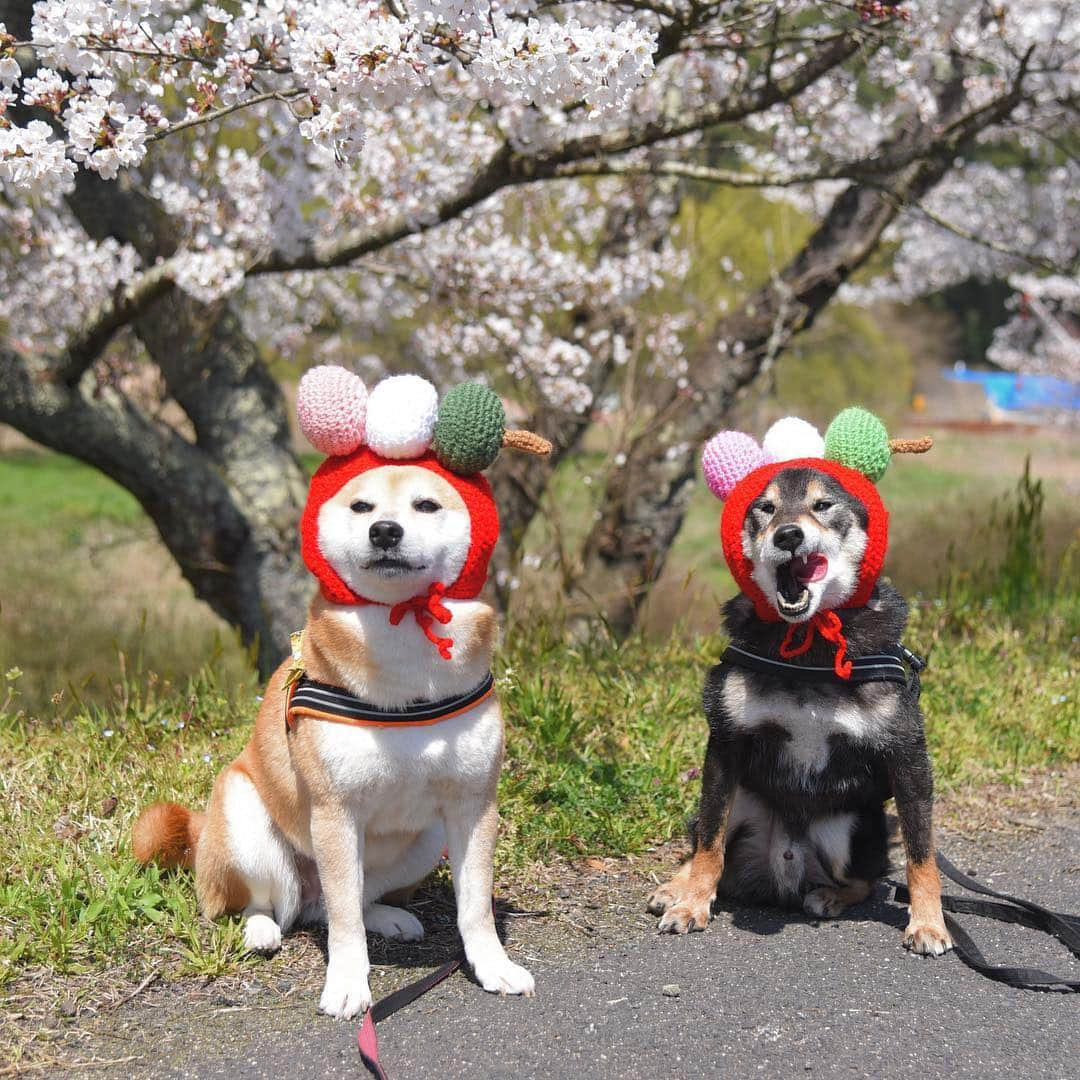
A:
x,y
401,415
792,438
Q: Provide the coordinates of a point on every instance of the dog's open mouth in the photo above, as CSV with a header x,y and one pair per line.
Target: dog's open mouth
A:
x,y
792,579
392,566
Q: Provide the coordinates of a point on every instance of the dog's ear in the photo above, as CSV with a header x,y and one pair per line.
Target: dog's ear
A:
x,y
727,458
331,405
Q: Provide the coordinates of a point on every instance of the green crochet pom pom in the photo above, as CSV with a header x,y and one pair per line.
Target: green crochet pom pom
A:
x,y
858,439
469,429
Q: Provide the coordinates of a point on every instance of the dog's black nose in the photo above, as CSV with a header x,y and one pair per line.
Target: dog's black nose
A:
x,y
787,537
386,534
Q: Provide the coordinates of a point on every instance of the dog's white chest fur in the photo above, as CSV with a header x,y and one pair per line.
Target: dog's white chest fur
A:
x,y
400,775
809,724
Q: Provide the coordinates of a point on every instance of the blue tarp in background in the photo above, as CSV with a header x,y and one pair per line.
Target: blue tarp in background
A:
x,y
1008,390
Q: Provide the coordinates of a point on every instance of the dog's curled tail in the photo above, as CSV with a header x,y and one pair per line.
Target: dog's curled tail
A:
x,y
167,833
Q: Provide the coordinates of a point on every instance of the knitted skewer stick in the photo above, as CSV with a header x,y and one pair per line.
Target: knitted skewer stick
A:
x,y
526,441
911,446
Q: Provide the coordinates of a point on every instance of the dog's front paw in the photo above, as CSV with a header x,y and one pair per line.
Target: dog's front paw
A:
x,y
346,992
825,903
503,976
686,915
927,938
665,896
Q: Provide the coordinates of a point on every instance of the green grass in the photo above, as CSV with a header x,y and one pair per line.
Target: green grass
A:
x,y
602,751
86,587
50,491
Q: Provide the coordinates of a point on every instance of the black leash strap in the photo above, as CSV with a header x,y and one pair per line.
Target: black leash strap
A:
x,y
1015,909
392,1003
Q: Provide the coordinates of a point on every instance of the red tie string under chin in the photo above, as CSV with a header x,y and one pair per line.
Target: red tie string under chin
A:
x,y
829,626
426,609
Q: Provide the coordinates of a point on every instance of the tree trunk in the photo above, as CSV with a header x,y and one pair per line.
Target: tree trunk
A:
x,y
213,370
227,507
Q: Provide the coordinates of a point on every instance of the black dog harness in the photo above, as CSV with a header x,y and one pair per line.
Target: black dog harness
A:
x,y
887,666
306,697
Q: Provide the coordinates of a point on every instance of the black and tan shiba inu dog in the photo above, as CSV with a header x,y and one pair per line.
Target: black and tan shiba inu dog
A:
x,y
802,757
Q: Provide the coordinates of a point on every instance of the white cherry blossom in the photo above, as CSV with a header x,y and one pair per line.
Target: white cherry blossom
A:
x,y
268,130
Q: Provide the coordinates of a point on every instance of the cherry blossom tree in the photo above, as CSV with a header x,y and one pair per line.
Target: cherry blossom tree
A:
x,y
191,190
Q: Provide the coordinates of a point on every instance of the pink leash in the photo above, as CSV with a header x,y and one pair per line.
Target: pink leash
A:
x,y
366,1039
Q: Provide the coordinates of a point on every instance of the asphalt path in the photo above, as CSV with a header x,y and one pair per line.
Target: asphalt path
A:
x,y
761,993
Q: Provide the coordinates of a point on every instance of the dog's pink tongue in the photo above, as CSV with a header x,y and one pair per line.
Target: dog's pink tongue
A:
x,y
810,568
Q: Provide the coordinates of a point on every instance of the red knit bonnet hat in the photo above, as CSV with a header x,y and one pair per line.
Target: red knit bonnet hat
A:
x,y
853,482
335,472
402,422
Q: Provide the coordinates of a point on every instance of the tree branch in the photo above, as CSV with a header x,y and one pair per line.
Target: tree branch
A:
x,y
685,170
216,114
1037,261
734,107
507,168
134,299
500,171
646,498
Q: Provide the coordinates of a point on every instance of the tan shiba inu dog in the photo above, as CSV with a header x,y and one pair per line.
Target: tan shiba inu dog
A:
x,y
327,817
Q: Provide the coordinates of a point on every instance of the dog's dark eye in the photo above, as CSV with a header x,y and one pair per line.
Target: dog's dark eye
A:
x,y
822,504
766,507
361,507
426,506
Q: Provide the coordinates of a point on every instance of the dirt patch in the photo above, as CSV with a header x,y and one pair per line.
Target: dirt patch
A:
x,y
1028,806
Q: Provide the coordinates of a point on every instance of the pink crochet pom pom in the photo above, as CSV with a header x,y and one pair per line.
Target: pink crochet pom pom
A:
x,y
727,458
331,405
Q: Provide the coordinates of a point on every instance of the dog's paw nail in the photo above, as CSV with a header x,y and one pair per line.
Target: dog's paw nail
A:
x,y
684,918
927,939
